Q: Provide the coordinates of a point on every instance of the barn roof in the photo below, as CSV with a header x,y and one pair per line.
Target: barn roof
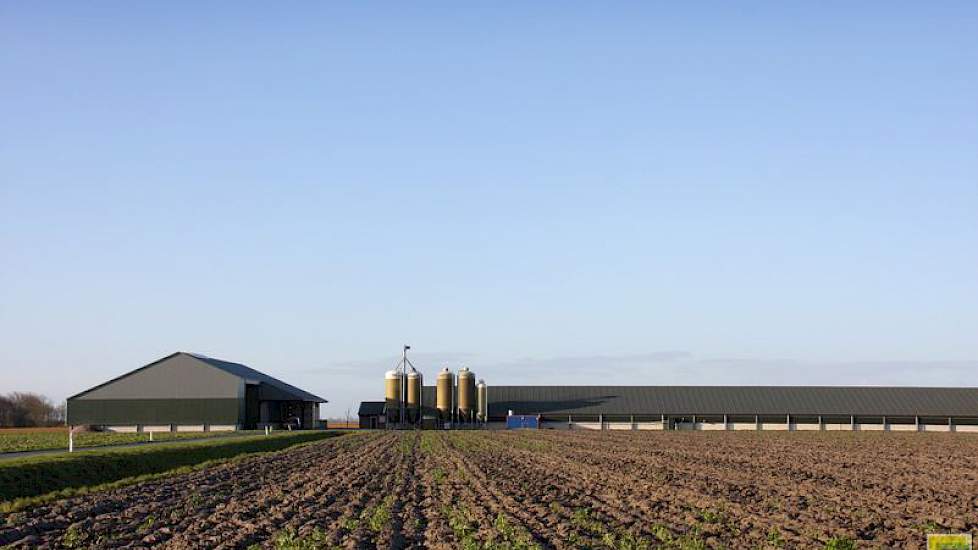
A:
x,y
733,400
235,369
371,408
248,373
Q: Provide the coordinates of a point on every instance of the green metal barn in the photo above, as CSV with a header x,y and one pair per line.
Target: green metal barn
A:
x,y
192,392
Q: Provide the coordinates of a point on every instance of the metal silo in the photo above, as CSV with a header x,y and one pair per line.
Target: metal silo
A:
x,y
482,401
443,394
392,394
414,396
466,394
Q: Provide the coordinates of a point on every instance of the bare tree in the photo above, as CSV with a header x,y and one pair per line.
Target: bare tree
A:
x,y
25,409
6,411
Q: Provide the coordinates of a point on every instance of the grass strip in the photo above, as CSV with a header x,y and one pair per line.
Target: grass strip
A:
x,y
28,440
64,475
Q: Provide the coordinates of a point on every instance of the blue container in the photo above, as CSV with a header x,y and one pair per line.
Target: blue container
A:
x,y
522,421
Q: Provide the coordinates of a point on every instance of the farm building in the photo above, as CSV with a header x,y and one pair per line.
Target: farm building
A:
x,y
730,407
372,415
192,392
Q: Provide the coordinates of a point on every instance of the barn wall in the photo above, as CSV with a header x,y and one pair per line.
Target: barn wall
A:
x,y
658,426
151,428
935,428
743,426
805,427
902,428
191,428
710,426
618,425
152,411
774,426
865,427
838,427
585,425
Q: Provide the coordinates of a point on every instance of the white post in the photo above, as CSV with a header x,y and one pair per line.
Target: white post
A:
x,y
71,439
151,436
266,429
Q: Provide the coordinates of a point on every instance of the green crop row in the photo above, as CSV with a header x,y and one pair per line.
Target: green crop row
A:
x,y
26,480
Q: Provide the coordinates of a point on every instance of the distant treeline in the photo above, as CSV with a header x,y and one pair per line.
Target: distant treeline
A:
x,y
24,409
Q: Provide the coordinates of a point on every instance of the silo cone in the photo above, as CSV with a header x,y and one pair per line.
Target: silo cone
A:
x,y
414,397
443,394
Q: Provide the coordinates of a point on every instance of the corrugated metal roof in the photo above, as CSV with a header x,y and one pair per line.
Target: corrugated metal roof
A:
x,y
248,373
731,400
371,408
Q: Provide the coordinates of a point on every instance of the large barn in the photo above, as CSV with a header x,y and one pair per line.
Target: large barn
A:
x,y
193,392
723,408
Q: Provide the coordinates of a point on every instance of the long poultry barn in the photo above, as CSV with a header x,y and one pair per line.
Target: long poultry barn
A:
x,y
193,392
739,407
782,408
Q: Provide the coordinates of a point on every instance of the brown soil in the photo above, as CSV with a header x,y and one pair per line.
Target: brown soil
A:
x,y
543,489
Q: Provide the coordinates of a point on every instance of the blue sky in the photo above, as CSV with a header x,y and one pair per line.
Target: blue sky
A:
x,y
591,193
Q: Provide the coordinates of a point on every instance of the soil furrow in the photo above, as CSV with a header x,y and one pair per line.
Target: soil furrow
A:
x,y
484,490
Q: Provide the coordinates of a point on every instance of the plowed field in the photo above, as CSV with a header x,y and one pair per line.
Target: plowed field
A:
x,y
542,490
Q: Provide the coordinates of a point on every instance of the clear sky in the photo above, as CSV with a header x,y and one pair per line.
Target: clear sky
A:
x,y
727,193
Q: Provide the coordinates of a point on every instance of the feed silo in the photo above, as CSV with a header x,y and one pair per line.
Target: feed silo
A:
x,y
443,394
466,394
414,396
392,394
482,401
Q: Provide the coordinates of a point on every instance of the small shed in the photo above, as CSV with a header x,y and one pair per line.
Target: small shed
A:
x,y
372,415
